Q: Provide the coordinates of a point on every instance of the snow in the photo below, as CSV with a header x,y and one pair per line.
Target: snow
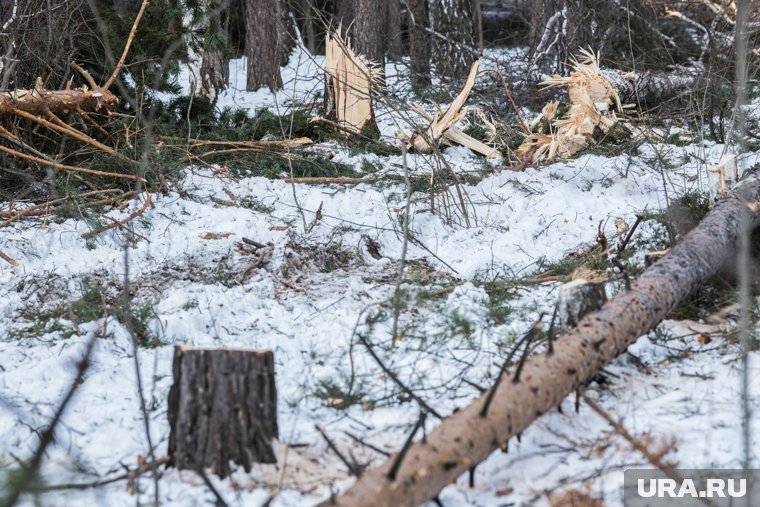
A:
x,y
209,293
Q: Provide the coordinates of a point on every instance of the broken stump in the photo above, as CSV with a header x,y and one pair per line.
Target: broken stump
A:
x,y
222,408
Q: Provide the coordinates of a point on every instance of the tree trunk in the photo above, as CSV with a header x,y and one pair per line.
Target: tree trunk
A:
x,y
419,43
478,24
222,408
559,28
455,43
469,436
369,30
348,88
286,31
393,29
344,16
214,74
261,45
307,12
206,40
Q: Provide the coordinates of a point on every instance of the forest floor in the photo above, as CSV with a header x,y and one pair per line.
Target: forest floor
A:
x,y
468,290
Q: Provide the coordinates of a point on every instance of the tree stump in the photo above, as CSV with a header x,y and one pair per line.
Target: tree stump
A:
x,y
576,299
222,408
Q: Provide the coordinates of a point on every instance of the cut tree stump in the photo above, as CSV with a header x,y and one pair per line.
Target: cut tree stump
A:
x,y
222,408
576,299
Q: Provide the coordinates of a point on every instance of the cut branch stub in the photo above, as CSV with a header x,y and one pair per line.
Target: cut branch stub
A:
x,y
222,408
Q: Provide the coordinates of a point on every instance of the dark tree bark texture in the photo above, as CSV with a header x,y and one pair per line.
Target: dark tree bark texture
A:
x,y
393,30
222,408
454,47
419,42
344,15
369,30
261,44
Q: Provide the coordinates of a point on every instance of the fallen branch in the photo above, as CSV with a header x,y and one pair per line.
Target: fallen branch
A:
x,y
328,179
9,260
142,467
124,53
45,208
466,437
443,126
40,101
119,223
654,458
57,125
63,167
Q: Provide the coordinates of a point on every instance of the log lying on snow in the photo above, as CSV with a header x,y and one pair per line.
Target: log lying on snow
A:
x,y
467,437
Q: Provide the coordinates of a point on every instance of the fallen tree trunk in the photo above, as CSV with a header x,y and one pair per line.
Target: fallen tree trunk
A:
x,y
469,436
41,102
649,89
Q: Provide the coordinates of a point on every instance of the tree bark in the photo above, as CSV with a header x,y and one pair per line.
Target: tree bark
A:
x,y
307,12
650,89
39,101
286,31
453,21
344,16
419,43
222,408
393,30
369,30
205,40
214,74
261,45
468,436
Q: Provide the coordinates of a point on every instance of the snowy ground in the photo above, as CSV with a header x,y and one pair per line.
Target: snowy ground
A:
x,y
319,284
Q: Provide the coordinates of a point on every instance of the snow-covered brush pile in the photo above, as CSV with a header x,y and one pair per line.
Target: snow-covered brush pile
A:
x,y
591,100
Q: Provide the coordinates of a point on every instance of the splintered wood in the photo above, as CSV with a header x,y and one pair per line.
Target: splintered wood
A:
x,y
592,102
349,83
42,102
442,125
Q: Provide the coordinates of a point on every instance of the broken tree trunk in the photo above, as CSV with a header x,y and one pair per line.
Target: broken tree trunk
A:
x,y
222,408
348,85
470,435
40,102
